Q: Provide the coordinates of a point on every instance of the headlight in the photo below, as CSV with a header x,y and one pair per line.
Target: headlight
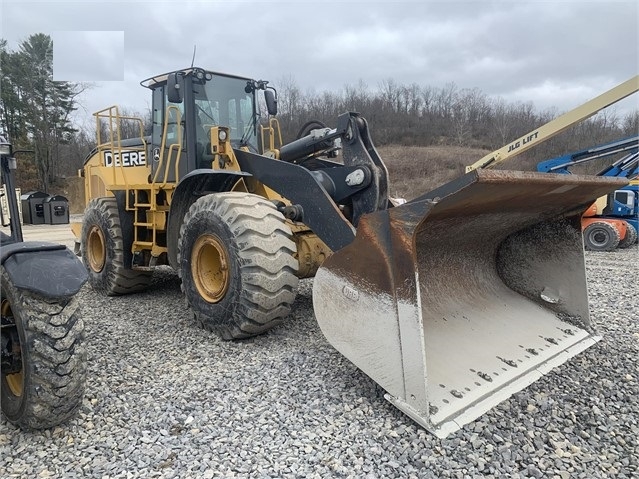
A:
x,y
222,135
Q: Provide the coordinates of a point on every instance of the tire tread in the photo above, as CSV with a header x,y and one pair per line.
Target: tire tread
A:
x,y
613,236
630,238
118,279
268,268
55,371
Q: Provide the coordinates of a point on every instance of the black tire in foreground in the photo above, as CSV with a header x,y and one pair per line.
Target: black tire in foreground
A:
x,y
43,358
601,236
236,259
630,238
103,242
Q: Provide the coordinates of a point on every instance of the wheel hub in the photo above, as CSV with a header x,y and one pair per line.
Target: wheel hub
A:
x,y
96,249
11,352
599,238
209,268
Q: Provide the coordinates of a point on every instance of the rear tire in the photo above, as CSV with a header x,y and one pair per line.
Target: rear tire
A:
x,y
237,265
43,358
630,238
102,247
601,236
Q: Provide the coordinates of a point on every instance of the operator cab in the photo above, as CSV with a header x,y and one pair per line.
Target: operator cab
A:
x,y
621,202
186,104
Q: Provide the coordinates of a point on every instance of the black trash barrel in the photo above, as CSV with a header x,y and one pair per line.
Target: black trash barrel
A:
x,y
33,207
56,210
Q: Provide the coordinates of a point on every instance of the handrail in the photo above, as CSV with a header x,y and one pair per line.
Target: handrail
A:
x,y
163,145
114,120
273,126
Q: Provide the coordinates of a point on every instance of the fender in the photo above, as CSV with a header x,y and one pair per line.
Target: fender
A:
x,y
47,269
197,183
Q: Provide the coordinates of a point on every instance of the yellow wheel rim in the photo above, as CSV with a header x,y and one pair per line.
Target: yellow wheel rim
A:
x,y
96,249
15,381
210,268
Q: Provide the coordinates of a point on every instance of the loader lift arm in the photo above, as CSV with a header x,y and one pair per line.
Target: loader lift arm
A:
x,y
327,196
556,126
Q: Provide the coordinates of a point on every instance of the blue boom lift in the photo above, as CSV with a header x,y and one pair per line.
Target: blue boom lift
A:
x,y
621,204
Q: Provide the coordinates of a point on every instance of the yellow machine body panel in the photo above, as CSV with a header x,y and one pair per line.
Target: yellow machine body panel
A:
x,y
104,178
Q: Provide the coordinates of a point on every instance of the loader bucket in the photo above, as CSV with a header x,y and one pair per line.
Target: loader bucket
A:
x,y
458,299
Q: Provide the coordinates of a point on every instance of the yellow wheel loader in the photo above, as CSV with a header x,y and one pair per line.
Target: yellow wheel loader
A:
x,y
451,302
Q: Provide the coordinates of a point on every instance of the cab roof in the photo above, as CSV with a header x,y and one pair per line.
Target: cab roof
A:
x,y
160,79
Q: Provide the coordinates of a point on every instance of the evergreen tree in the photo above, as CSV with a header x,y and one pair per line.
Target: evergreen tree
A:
x,y
34,107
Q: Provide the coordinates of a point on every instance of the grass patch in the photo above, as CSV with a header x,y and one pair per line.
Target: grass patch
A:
x,y
415,170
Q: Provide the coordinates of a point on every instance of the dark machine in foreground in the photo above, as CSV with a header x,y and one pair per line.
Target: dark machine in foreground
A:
x,y
43,356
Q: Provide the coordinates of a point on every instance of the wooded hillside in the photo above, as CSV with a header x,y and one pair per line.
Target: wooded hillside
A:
x,y
423,115
35,114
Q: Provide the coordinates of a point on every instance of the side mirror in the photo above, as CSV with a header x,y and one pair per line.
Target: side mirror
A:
x,y
174,88
271,102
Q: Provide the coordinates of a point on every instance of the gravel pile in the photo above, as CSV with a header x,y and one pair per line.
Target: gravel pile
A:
x,y
167,399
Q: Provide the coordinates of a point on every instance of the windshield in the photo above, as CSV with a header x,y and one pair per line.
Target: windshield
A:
x,y
222,101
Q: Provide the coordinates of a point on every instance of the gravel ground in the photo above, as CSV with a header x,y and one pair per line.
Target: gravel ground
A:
x,y
167,399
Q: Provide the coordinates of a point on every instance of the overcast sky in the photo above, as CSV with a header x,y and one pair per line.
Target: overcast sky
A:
x,y
556,54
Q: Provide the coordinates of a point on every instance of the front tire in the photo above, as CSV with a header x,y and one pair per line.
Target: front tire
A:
x,y
237,264
103,245
43,358
601,236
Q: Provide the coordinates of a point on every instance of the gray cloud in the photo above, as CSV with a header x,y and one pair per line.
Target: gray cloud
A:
x,y
88,56
555,54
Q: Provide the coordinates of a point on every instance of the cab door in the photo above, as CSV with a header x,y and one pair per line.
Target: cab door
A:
x,y
168,139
